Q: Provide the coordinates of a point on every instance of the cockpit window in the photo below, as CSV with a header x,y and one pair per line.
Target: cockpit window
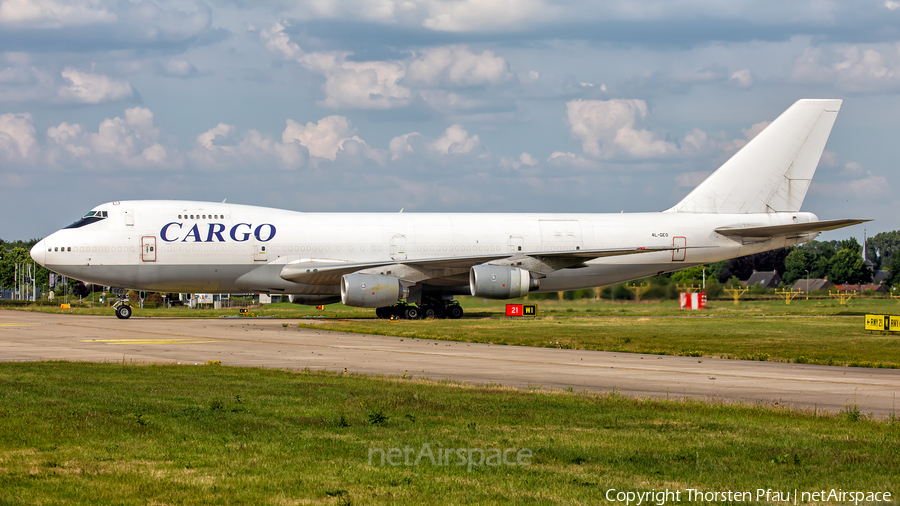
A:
x,y
87,219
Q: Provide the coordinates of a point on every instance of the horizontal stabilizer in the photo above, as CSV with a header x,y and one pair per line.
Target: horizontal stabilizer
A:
x,y
789,230
315,272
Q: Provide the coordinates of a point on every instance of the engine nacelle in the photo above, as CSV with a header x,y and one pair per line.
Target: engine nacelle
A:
x,y
500,282
314,300
371,290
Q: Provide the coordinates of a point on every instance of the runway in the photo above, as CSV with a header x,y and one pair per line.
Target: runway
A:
x,y
27,336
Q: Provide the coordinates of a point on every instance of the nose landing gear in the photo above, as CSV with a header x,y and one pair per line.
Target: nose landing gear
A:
x,y
123,311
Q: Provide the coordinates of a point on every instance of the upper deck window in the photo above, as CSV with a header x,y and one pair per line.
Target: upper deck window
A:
x,y
87,219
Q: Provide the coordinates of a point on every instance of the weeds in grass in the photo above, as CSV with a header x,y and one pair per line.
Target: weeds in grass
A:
x,y
377,418
851,413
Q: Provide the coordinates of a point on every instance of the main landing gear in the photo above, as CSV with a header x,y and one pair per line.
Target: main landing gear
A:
x,y
431,309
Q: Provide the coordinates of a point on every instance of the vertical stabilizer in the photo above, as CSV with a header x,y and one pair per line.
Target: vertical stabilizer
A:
x,y
773,171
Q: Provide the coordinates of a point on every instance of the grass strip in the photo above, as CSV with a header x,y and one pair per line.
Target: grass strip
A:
x,y
80,433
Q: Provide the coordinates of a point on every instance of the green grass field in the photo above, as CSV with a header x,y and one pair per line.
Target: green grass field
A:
x,y
76,433
819,340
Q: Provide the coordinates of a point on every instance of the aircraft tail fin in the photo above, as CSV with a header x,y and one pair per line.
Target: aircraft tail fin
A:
x,y
773,171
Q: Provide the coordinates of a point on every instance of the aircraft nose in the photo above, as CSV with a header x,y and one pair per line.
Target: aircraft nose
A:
x,y
39,252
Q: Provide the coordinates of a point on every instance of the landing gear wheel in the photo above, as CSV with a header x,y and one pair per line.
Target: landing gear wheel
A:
x,y
412,313
384,312
455,312
123,312
429,312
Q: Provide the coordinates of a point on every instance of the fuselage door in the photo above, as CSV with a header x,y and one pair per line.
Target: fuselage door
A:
x,y
148,248
679,254
259,252
516,243
129,217
560,235
398,247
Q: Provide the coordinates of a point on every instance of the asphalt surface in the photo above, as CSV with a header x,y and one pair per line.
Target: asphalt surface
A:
x,y
27,336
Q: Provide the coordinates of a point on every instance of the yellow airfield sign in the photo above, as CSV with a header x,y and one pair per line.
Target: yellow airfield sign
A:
x,y
883,322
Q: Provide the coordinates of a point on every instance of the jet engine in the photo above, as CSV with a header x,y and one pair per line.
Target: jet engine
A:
x,y
371,290
500,282
314,300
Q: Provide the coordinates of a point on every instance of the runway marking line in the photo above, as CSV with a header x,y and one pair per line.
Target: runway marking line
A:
x,y
143,341
745,376
20,324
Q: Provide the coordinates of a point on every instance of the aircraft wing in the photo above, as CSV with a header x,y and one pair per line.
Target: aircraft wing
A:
x,y
790,229
328,272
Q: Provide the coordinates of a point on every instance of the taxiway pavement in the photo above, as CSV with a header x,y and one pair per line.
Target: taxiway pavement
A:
x,y
27,336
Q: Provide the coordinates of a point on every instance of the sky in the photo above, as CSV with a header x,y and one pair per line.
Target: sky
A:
x,y
432,105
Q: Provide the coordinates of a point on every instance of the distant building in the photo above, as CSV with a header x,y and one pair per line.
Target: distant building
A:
x,y
765,279
881,276
862,287
814,284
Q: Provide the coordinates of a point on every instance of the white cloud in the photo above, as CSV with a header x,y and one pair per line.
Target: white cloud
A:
x,y
400,145
130,141
691,179
892,5
524,160
732,145
278,42
853,167
869,187
179,68
17,141
359,85
392,84
829,158
218,148
566,158
54,14
348,84
485,15
850,68
607,128
87,88
457,66
754,129
743,78
110,23
456,141
327,137
866,188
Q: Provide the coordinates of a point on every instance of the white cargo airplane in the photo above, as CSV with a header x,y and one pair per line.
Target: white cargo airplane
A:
x,y
749,205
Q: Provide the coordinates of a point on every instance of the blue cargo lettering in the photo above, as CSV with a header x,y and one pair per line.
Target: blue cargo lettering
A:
x,y
216,232
258,235
162,232
246,234
195,233
215,229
